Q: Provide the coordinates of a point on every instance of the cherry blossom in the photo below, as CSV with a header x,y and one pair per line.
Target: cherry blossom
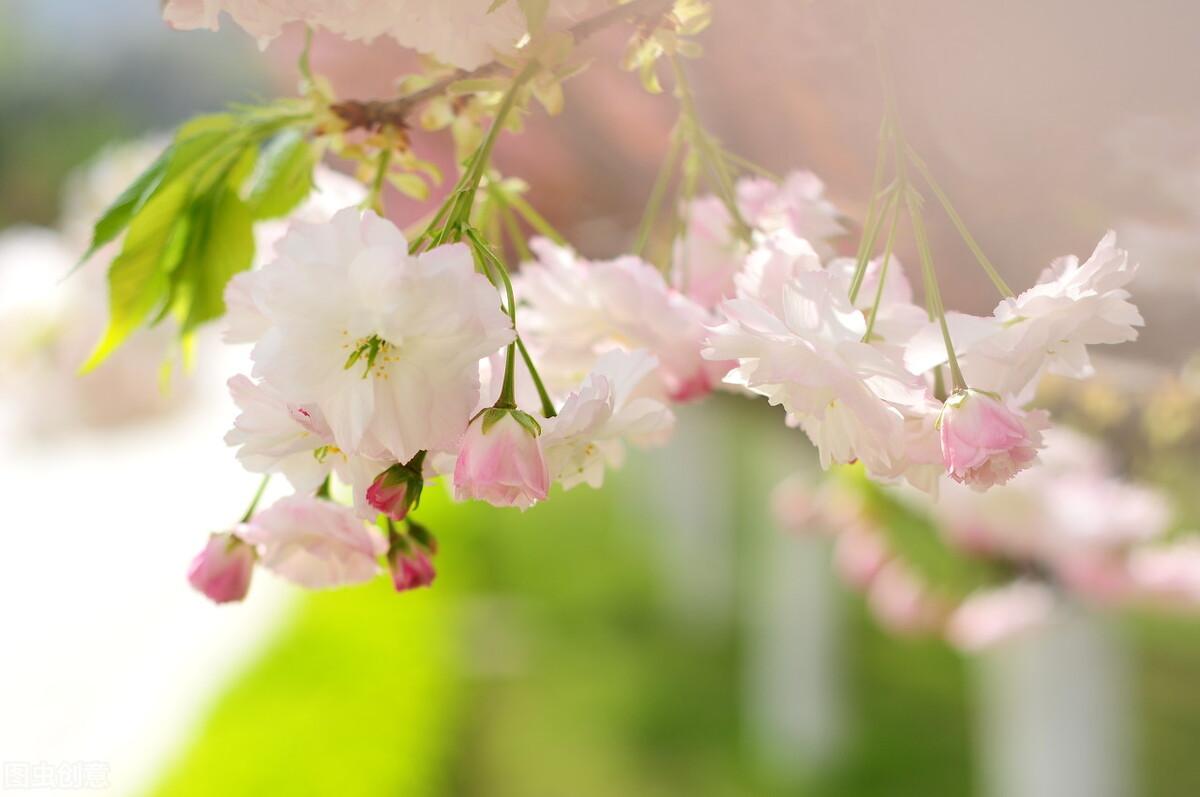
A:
x,y
985,443
709,255
315,543
1046,328
501,461
588,433
386,345
807,354
580,309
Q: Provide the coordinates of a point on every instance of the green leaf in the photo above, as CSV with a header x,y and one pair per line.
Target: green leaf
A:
x,y
116,218
221,245
535,13
283,178
138,275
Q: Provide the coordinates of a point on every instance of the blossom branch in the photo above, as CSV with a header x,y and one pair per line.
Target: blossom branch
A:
x,y
372,114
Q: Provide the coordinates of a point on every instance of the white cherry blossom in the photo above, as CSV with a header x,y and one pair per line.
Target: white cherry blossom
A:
x,y
589,431
386,345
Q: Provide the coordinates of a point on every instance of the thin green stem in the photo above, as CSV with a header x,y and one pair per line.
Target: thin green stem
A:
x,y
492,261
547,405
258,494
374,199
933,296
709,151
535,219
958,223
749,165
508,398
883,269
870,235
865,246
457,206
661,181
512,227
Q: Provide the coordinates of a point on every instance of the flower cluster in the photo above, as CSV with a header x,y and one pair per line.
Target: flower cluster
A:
x,y
376,367
863,379
382,362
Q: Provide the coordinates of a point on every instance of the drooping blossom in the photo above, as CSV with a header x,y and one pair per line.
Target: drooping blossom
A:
x,y
500,461
807,353
315,543
580,309
1047,328
588,433
273,435
985,443
386,345
223,569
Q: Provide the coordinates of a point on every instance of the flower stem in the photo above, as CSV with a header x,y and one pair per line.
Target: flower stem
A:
x,y
456,209
933,296
958,223
512,227
709,151
507,391
258,494
374,199
874,218
547,405
535,219
894,207
658,191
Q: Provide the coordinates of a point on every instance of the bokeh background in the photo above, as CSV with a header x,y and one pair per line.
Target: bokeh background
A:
x,y
663,636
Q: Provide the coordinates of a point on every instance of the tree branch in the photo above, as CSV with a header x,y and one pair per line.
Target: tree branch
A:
x,y
373,114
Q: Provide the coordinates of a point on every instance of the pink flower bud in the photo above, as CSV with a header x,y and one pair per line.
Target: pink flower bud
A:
x,y
411,569
395,491
501,461
411,557
985,443
222,570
